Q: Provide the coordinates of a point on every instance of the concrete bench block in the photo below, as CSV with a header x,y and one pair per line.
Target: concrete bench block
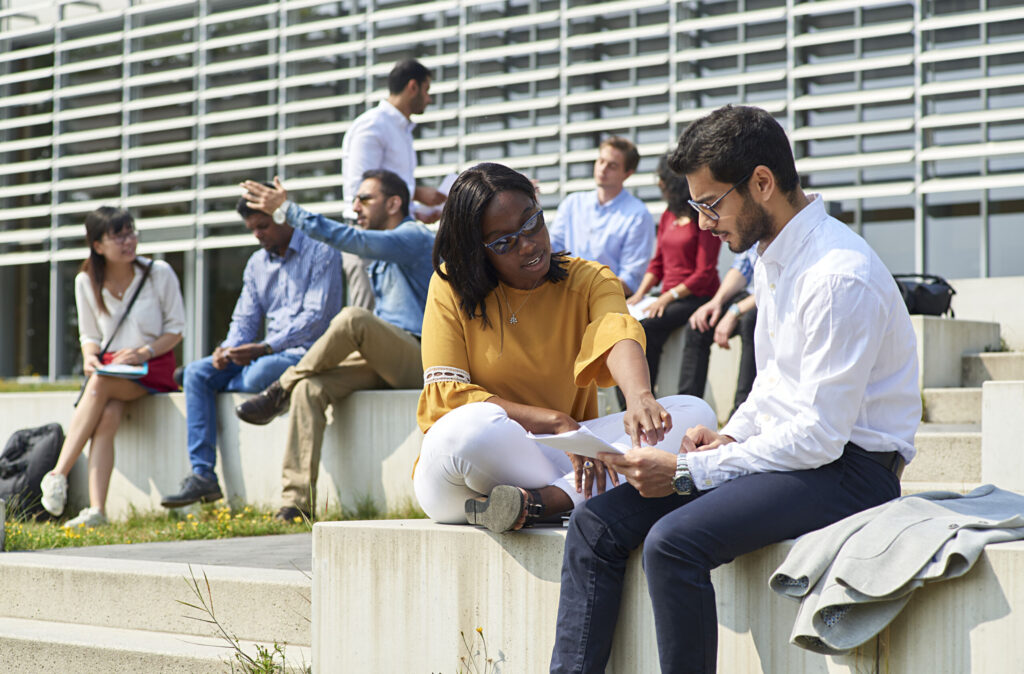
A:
x,y
1002,427
368,452
393,596
942,342
982,367
723,369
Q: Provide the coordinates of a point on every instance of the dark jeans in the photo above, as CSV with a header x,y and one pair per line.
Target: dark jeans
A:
x,y
686,537
693,373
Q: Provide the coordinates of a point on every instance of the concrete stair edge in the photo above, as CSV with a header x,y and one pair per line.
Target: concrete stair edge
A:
x,y
254,604
63,647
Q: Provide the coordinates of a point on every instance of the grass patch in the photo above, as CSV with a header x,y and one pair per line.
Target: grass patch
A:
x,y
14,386
209,521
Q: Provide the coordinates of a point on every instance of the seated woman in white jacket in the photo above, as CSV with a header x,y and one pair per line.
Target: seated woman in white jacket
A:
x,y
150,331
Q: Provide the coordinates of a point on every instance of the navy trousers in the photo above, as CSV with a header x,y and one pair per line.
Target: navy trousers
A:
x,y
683,538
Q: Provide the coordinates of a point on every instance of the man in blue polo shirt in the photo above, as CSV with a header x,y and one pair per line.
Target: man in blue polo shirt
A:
x,y
608,225
360,350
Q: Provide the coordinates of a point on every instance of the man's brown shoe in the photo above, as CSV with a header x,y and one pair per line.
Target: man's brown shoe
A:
x,y
264,406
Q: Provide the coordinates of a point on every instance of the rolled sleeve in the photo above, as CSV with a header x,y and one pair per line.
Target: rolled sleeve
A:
x,y
88,326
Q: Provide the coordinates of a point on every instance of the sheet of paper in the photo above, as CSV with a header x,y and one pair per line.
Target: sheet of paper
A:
x,y
639,310
124,370
424,212
581,441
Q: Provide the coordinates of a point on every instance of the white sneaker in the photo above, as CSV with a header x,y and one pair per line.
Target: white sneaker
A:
x,y
55,493
89,517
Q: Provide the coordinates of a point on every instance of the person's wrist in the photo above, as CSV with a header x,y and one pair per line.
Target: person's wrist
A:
x,y
674,293
734,309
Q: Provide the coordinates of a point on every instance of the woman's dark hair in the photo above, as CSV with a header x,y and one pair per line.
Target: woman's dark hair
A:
x,y
460,244
734,140
104,220
676,190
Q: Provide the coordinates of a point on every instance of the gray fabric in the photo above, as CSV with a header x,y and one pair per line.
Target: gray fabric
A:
x,y
853,577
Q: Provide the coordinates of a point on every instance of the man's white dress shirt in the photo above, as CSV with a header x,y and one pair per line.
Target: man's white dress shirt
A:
x,y
380,138
836,357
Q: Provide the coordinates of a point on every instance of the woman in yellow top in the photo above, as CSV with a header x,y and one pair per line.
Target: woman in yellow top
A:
x,y
516,339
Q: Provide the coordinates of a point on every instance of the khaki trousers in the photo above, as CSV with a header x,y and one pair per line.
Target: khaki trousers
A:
x,y
358,352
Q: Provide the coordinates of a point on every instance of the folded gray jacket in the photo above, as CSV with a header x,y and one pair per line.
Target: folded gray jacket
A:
x,y
853,577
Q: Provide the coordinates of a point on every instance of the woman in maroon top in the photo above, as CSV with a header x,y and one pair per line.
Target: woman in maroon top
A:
x,y
685,262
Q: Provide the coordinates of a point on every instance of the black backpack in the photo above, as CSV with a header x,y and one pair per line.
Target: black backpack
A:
x,y
926,294
28,455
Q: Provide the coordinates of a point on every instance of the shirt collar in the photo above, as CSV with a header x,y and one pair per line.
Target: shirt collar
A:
x,y
297,243
608,204
386,108
789,241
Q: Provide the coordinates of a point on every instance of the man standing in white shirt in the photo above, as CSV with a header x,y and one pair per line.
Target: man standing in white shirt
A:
x,y
825,432
381,137
608,225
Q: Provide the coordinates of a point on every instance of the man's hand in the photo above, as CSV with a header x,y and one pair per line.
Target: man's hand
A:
x,y
648,469
702,438
659,305
706,315
428,196
724,329
263,198
220,358
245,353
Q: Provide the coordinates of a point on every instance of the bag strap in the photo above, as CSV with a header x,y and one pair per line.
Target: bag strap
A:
x,y
124,314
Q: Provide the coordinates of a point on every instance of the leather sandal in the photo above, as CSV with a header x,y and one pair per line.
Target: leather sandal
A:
x,y
504,507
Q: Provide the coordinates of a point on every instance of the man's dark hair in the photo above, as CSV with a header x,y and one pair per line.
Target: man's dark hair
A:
x,y
731,142
460,245
391,185
409,69
243,208
630,155
677,191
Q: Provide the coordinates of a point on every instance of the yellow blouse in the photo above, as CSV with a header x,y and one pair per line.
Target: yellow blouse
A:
x,y
553,357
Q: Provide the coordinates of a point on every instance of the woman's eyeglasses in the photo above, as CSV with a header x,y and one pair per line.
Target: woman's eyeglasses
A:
x,y
534,224
123,236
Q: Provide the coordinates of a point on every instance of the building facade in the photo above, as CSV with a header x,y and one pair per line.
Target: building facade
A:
x,y
908,116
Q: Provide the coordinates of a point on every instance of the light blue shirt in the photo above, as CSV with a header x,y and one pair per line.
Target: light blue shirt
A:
x,y
619,234
401,268
297,294
744,264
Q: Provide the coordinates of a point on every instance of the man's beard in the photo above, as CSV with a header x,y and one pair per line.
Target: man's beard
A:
x,y
753,224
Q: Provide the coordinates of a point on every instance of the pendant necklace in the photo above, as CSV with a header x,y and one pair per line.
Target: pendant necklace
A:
x,y
512,320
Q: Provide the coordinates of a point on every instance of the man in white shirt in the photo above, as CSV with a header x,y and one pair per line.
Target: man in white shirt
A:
x,y
381,137
825,432
608,225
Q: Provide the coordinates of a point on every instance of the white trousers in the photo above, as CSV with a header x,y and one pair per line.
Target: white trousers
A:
x,y
476,447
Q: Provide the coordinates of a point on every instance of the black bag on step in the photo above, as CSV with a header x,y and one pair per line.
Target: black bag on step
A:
x,y
926,294
28,455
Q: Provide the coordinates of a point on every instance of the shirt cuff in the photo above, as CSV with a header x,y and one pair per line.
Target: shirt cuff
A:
x,y
703,466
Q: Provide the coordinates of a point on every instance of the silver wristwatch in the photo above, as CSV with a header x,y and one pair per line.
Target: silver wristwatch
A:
x,y
682,482
280,214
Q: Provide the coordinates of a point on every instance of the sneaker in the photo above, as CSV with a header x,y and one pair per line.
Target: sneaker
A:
x,y
55,492
194,488
89,517
261,408
290,514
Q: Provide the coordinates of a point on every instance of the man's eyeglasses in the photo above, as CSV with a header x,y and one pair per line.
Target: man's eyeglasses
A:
x,y
123,236
534,224
364,198
708,210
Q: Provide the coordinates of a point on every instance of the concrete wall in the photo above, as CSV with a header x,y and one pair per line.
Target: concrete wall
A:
x,y
368,451
993,299
417,585
1002,427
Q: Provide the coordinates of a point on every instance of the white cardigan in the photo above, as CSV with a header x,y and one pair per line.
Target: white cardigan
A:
x,y
853,577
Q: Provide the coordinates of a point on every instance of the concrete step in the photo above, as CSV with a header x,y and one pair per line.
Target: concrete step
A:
x,y
952,405
946,453
1002,366
255,604
438,580
60,647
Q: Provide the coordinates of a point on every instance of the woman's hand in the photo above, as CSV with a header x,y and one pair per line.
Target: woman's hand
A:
x,y
589,476
646,420
634,298
659,305
90,362
130,356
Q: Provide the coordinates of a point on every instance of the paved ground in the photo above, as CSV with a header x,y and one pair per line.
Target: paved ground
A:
x,y
291,551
